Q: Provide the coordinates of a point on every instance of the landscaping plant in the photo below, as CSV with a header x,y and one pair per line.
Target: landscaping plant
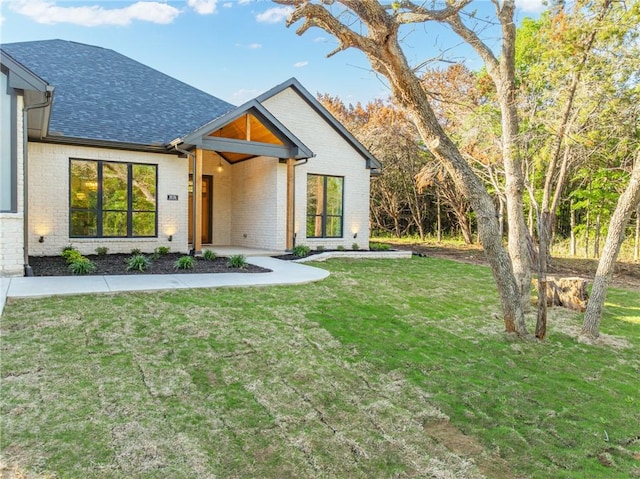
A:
x,y
185,262
301,251
237,261
81,265
138,262
209,255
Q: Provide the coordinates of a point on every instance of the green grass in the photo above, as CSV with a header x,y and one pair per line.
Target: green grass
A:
x,y
352,377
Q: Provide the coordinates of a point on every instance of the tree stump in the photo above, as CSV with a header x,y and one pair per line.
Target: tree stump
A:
x,y
569,293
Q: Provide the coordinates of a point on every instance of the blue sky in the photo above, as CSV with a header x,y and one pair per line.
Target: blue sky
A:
x,y
234,50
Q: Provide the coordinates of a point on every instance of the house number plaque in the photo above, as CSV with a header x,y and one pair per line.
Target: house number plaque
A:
x,y
172,197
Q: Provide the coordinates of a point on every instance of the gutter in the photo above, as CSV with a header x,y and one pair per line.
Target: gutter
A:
x,y
28,271
174,144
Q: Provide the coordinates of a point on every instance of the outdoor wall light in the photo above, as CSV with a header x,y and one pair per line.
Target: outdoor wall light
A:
x,y
170,237
355,235
41,239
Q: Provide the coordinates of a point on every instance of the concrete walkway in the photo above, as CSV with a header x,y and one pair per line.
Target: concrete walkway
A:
x,y
282,272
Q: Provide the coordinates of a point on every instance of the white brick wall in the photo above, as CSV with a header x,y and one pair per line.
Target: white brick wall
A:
x,y
334,156
11,224
257,217
49,200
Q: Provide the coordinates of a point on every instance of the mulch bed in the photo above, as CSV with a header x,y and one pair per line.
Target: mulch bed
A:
x,y
112,264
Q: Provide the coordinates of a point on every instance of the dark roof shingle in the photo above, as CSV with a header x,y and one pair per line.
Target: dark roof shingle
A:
x,y
105,96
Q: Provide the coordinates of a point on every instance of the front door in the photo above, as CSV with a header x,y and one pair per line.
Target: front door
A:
x,y
207,208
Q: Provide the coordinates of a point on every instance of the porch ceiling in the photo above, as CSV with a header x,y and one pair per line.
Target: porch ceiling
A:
x,y
248,132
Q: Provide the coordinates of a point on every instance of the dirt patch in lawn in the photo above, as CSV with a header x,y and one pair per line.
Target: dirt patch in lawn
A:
x,y
491,465
111,264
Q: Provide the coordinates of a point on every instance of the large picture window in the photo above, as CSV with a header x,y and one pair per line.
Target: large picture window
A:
x,y
110,199
324,206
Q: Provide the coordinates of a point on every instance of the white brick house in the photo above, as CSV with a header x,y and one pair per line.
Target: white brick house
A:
x,y
113,146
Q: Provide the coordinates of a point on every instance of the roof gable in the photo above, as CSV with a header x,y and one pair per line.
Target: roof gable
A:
x,y
287,145
297,87
102,95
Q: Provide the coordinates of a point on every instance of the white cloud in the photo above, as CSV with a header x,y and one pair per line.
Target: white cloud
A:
x,y
250,46
274,15
1,19
531,6
320,40
227,5
244,2
300,64
47,12
203,7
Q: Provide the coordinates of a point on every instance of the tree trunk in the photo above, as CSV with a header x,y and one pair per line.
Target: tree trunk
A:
x,y
440,217
627,203
587,228
501,215
543,240
636,245
572,245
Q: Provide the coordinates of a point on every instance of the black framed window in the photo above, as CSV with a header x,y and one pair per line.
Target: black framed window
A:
x,y
112,199
325,197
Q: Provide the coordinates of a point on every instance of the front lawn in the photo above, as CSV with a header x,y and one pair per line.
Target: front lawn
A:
x,y
388,368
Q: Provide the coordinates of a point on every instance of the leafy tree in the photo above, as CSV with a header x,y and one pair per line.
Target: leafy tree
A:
x,y
374,28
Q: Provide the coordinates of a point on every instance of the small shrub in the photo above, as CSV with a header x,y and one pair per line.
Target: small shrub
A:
x,y
301,251
136,251
138,262
81,266
209,255
340,247
160,251
185,262
237,261
66,249
355,247
71,255
102,250
320,248
379,247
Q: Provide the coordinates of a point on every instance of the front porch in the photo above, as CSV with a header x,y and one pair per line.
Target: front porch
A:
x,y
241,188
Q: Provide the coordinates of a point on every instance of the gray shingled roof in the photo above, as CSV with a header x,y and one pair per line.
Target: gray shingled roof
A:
x,y
105,96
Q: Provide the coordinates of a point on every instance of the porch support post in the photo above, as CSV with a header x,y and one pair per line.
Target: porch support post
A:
x,y
197,202
290,202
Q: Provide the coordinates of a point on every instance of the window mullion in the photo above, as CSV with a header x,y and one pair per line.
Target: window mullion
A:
x,y
129,200
324,206
99,202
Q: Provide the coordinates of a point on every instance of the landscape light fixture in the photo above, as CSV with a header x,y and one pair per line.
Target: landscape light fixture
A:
x,y
41,239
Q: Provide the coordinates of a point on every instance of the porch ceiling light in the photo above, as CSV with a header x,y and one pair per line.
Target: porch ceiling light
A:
x,y
220,165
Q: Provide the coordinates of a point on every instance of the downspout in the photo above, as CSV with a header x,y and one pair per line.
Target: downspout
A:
x,y
28,271
299,163
189,154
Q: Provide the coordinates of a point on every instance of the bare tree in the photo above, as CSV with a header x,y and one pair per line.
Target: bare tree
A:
x,y
378,39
